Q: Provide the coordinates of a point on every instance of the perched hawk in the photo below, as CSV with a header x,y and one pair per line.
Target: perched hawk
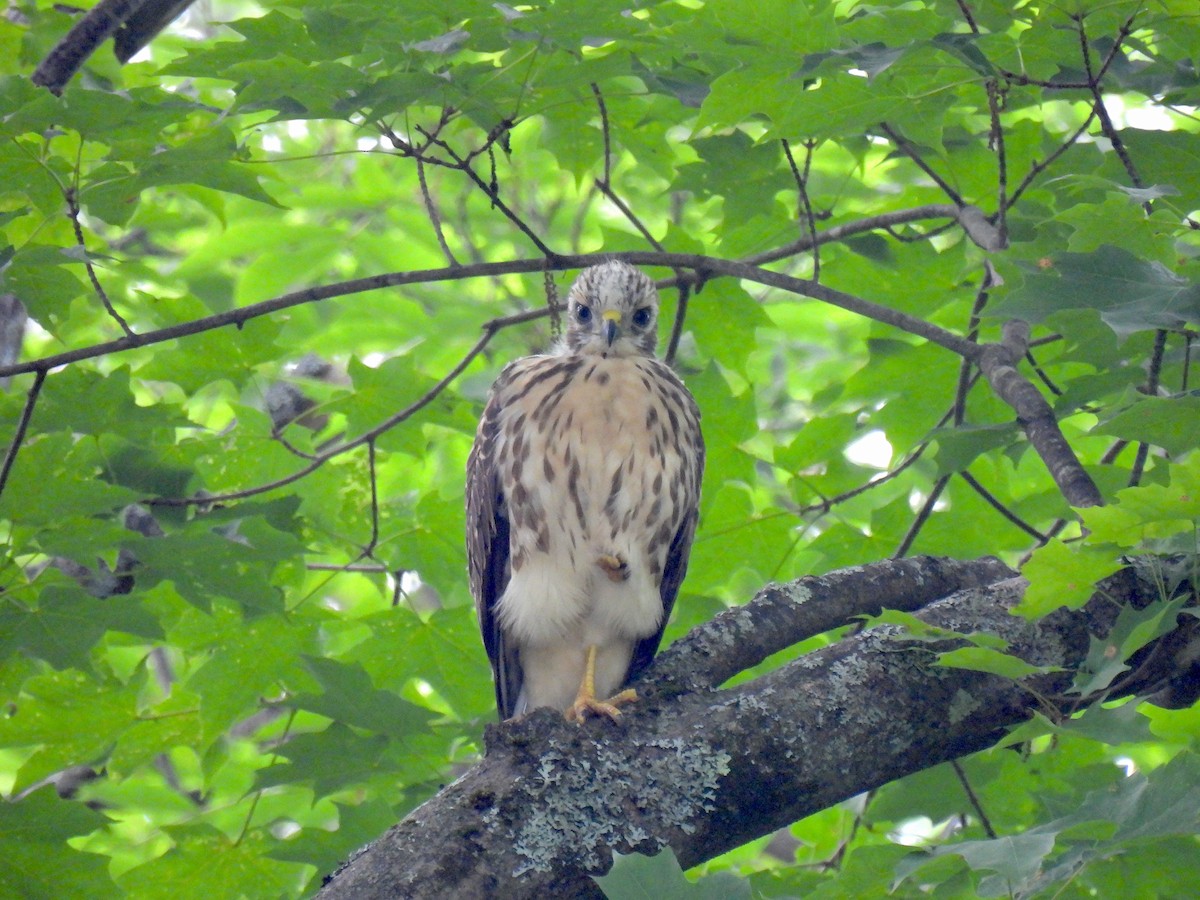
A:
x,y
582,491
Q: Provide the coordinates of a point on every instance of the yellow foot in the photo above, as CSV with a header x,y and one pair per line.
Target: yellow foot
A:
x,y
614,567
592,706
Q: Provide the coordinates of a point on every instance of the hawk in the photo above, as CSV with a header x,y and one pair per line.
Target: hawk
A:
x,y
582,493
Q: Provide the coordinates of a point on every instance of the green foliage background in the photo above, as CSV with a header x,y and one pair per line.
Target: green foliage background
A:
x,y
294,668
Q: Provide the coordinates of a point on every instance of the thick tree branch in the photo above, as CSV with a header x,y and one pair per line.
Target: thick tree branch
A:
x,y
706,770
133,23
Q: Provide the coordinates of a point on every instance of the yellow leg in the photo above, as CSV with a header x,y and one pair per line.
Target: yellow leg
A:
x,y
586,702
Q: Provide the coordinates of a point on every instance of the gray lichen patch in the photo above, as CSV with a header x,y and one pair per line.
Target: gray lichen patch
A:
x,y
794,591
961,706
585,803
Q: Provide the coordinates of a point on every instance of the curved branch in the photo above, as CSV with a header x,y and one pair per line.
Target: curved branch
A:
x,y
707,265
705,771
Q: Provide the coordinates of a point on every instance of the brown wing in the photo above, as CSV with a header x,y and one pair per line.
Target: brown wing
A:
x,y
692,442
487,553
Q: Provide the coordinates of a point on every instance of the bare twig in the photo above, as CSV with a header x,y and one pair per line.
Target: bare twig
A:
x,y
1153,379
1107,127
490,329
22,425
828,503
995,503
73,210
1091,85
359,568
490,188
997,140
1043,377
921,518
805,210
681,308
372,475
604,130
1038,168
965,371
910,151
432,211
974,800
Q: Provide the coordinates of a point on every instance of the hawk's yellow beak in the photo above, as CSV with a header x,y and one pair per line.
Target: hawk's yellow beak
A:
x,y
612,321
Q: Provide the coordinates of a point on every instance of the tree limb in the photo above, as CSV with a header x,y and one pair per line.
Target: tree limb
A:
x,y
706,770
998,364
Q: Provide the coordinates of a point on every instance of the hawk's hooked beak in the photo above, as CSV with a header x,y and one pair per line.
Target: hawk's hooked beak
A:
x,y
612,322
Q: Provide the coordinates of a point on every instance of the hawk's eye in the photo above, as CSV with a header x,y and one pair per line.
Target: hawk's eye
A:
x,y
583,313
641,318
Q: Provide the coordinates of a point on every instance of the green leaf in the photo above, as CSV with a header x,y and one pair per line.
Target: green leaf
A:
x,y
358,826
1134,629
1131,294
350,698
330,760
37,862
1172,423
958,447
71,720
1012,860
984,659
1062,575
205,862
659,877
67,623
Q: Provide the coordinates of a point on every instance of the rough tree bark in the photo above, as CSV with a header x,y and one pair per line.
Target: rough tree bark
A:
x,y
704,769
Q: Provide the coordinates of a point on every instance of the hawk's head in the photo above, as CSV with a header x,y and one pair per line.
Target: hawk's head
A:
x,y
612,310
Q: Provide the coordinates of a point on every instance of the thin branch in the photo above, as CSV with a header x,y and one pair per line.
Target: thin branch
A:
x,y
491,190
910,151
922,517
291,448
360,568
607,191
1153,379
968,16
432,211
1187,361
22,425
965,376
73,210
995,503
1038,168
369,550
490,329
1106,123
681,308
805,210
974,800
604,130
1091,85
1041,374
1111,454
997,139
827,504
